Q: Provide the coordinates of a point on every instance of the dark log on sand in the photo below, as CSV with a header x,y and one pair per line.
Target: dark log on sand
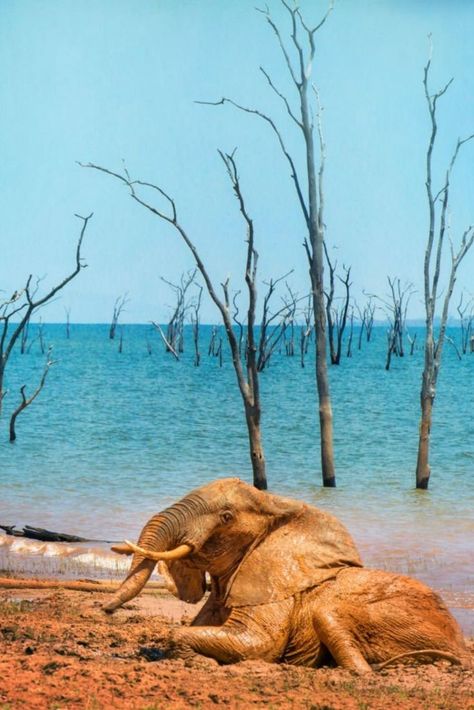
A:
x,y
46,535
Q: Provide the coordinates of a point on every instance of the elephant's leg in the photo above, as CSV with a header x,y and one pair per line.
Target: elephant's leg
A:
x,y
247,634
339,641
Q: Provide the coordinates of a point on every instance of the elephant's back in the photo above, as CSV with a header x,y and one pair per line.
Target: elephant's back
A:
x,y
406,613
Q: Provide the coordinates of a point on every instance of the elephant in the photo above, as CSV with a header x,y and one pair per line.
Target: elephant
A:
x,y
287,585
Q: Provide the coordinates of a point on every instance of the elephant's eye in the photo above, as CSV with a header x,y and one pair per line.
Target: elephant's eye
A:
x,y
227,517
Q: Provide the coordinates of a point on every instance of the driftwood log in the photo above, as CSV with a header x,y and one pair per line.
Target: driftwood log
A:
x,y
46,535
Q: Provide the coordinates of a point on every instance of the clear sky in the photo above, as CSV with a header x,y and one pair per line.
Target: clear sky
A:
x,y
106,80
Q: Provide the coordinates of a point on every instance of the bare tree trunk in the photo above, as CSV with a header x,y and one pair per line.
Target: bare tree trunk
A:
x,y
68,323
257,457
351,334
422,464
322,381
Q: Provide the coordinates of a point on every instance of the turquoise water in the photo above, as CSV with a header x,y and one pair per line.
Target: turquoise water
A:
x,y
114,438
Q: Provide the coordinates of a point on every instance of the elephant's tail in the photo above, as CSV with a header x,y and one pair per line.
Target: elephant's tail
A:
x,y
433,653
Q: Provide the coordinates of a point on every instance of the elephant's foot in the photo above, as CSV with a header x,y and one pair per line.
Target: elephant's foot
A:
x,y
170,646
339,642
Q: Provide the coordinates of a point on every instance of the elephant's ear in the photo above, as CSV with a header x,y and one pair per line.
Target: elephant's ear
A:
x,y
183,580
304,551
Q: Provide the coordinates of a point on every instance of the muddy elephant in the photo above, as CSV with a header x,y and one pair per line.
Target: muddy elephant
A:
x,y
287,585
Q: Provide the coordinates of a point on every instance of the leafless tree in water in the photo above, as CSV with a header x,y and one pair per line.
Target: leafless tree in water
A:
x,y
195,320
438,208
68,322
303,44
466,318
273,323
119,306
16,311
336,314
395,306
306,330
366,319
26,401
246,373
175,328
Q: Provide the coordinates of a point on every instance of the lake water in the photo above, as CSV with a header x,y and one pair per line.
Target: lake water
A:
x,y
115,437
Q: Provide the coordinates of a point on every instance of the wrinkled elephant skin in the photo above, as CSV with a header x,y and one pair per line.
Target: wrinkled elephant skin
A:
x,y
287,585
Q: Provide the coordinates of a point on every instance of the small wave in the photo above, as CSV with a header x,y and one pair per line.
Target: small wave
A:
x,y
22,555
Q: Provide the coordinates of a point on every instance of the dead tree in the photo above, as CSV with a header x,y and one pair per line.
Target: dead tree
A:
x,y
119,306
366,319
369,318
68,322
306,330
15,312
247,378
438,207
312,205
168,345
396,309
351,333
412,342
25,402
273,325
196,307
336,316
212,347
466,317
175,328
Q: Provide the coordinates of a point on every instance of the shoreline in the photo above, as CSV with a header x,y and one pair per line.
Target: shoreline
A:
x,y
62,566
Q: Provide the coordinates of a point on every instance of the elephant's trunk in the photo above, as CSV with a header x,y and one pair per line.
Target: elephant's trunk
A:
x,y
162,532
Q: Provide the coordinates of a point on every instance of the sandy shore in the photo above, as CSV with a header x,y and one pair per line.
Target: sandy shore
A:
x,y
61,651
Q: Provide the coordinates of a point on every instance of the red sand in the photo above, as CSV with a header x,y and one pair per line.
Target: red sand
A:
x,y
61,651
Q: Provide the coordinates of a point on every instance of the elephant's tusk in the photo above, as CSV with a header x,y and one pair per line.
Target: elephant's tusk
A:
x,y
122,549
176,554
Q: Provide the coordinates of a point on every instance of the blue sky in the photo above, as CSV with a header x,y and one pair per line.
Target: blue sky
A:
x,y
106,80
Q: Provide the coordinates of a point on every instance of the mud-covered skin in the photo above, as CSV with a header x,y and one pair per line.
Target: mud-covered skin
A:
x,y
358,619
287,585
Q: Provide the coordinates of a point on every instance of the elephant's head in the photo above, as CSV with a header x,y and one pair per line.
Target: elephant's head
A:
x,y
259,546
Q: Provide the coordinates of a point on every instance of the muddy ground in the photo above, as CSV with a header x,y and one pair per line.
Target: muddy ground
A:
x,y
58,650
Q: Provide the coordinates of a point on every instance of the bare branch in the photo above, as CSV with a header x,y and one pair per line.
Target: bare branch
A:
x,y
167,343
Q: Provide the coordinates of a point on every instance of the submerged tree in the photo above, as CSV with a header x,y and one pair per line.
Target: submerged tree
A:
x,y
247,375
312,204
396,306
26,401
466,319
273,325
119,306
15,312
175,328
438,205
195,322
336,314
